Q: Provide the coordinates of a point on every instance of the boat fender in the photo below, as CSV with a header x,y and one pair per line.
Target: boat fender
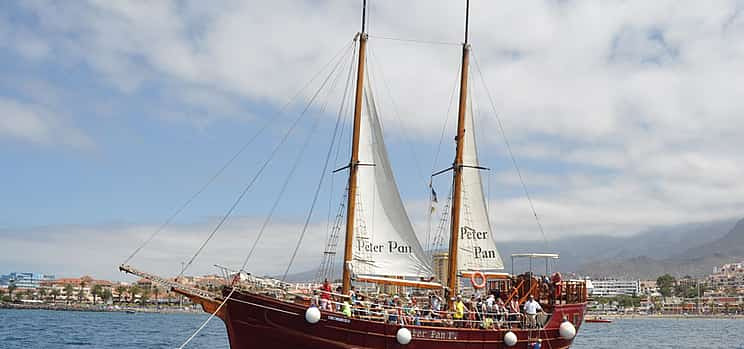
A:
x,y
567,330
312,315
403,336
481,283
510,339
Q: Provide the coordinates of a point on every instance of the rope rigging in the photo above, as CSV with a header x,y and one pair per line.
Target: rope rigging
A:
x,y
327,263
396,114
439,240
430,242
317,194
417,41
231,160
511,153
260,171
288,179
264,165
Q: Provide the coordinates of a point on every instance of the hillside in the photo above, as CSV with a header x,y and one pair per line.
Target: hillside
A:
x,y
697,260
732,244
686,249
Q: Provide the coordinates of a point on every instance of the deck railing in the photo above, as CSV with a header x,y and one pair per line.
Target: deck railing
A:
x,y
373,311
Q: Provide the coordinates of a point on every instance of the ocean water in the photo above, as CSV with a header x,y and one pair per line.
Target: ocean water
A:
x,y
62,329
662,333
71,329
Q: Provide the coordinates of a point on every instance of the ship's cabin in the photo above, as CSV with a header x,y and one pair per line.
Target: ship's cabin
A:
x,y
527,279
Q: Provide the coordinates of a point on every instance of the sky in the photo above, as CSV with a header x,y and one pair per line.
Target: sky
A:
x,y
622,116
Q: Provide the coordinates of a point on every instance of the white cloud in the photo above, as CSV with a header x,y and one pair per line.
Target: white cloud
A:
x,y
100,249
639,101
22,41
21,122
37,125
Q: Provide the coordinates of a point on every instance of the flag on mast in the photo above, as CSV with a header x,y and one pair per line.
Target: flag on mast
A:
x,y
434,199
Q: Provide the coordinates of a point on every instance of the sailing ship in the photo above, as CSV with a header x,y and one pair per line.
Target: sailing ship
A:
x,y
381,247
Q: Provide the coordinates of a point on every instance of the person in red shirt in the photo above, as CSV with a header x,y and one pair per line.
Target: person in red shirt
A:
x,y
556,280
325,295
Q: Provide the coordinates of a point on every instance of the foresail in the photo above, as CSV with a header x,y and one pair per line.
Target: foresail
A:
x,y
476,247
384,240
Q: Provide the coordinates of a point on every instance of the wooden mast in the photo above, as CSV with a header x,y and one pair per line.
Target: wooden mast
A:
x,y
354,162
458,165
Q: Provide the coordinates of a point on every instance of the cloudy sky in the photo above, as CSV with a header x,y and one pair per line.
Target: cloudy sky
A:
x,y
622,115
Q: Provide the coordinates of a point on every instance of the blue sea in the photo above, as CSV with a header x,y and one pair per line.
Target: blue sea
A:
x,y
63,329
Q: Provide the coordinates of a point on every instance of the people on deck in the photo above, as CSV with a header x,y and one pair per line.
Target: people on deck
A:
x,y
531,308
489,310
352,295
513,309
459,312
472,313
337,299
325,296
556,285
346,309
435,304
490,304
315,300
501,312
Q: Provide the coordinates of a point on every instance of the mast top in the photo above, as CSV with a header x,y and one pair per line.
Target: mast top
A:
x,y
364,14
467,20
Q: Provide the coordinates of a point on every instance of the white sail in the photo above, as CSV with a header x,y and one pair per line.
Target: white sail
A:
x,y
384,240
476,247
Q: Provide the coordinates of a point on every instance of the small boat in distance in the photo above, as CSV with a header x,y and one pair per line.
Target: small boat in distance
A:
x,y
598,319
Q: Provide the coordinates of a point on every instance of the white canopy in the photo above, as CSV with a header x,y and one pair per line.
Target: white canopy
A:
x,y
536,255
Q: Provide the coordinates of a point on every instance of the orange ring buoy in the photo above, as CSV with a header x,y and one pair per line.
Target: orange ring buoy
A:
x,y
478,285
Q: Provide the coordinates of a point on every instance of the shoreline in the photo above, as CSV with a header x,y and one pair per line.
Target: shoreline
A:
x,y
101,308
189,310
665,316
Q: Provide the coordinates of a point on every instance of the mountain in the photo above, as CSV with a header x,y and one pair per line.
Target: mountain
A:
x,y
658,243
697,260
683,249
732,245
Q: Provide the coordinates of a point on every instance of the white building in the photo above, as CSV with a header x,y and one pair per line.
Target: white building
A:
x,y
612,288
728,277
649,288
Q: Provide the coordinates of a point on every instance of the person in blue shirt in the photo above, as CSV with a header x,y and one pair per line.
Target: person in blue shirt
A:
x,y
537,344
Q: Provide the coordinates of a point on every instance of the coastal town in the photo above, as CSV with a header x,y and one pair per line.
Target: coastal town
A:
x,y
38,290
721,293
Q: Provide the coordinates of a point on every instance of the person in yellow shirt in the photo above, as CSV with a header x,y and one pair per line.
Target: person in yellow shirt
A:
x,y
459,311
346,309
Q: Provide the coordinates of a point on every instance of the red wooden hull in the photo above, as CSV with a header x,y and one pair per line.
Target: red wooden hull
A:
x,y
255,321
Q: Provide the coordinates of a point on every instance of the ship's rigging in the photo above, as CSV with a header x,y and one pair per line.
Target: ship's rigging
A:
x,y
380,244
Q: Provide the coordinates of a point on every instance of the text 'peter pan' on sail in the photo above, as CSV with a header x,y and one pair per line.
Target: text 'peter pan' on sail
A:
x,y
477,249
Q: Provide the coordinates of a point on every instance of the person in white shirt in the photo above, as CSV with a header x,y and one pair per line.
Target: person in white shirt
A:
x,y
490,303
531,307
435,304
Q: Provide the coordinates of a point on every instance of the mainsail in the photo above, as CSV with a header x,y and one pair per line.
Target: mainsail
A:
x,y
476,249
384,240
